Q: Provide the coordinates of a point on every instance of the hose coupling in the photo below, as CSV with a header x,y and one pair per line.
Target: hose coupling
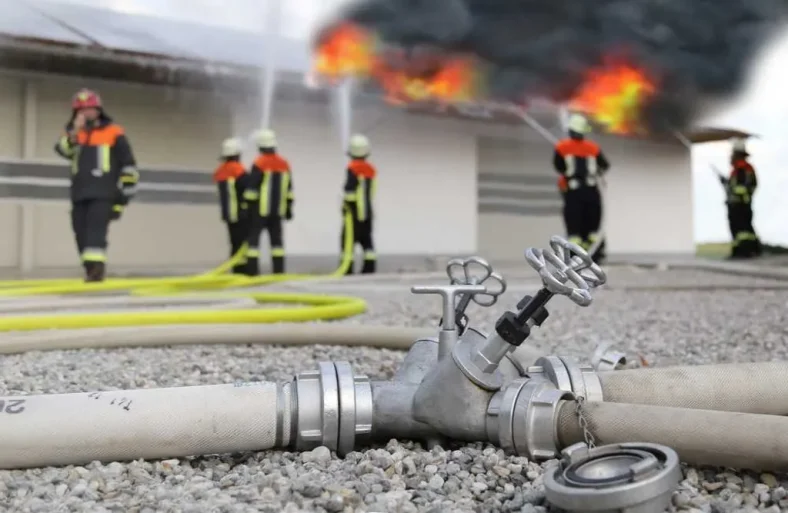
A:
x,y
606,358
523,418
332,407
569,376
625,478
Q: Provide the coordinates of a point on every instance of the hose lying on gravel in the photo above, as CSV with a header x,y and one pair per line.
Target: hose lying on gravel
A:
x,y
701,437
736,387
63,429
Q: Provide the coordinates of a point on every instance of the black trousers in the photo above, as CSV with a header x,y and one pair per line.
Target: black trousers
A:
x,y
362,235
90,221
272,225
745,241
239,233
583,216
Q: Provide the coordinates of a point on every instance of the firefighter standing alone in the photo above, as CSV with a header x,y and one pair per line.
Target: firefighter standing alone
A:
x,y
269,193
740,187
360,188
104,177
231,178
580,164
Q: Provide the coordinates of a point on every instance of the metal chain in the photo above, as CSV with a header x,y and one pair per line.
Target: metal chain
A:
x,y
582,421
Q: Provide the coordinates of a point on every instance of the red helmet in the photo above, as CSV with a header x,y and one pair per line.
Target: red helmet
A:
x,y
86,99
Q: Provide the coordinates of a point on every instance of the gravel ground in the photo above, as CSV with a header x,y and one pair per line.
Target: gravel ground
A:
x,y
668,318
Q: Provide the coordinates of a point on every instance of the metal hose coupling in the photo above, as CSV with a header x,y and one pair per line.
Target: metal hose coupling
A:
x,y
523,418
332,407
566,374
626,478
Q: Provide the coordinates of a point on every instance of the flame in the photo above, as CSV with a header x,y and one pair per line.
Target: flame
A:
x,y
613,96
350,50
346,50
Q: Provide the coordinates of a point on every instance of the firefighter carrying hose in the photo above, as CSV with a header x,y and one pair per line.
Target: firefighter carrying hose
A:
x,y
360,186
230,178
740,187
580,164
104,177
269,193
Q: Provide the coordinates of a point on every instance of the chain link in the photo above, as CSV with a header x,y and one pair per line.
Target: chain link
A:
x,y
582,421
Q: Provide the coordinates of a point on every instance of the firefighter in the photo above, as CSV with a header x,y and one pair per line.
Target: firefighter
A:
x,y
231,177
740,187
270,196
580,164
360,187
104,177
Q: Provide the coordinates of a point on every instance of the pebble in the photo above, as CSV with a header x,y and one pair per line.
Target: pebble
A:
x,y
688,327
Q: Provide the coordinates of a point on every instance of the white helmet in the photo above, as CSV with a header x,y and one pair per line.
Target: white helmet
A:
x,y
578,124
231,148
739,144
359,146
266,139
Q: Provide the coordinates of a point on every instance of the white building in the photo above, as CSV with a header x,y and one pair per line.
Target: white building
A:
x,y
448,185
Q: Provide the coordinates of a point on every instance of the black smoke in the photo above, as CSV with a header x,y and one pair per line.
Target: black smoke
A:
x,y
697,50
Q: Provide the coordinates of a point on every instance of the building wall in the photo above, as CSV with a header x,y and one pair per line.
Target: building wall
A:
x,y
427,177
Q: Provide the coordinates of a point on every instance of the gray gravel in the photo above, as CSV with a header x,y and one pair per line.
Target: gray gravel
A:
x,y
642,312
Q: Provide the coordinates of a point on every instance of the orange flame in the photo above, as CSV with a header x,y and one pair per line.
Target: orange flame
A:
x,y
346,50
350,50
613,96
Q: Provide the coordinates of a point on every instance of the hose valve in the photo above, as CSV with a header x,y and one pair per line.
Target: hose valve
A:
x,y
566,270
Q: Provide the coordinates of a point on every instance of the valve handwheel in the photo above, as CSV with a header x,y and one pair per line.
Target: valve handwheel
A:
x,y
565,265
477,271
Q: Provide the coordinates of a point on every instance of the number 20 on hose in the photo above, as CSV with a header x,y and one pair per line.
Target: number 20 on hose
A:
x,y
12,406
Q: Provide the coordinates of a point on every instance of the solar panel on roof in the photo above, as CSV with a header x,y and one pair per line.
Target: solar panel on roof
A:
x,y
116,30
159,36
22,21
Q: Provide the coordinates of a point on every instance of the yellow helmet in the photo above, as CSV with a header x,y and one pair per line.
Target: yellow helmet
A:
x,y
231,148
359,146
266,139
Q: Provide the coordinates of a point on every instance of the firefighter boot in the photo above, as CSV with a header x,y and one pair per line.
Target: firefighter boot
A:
x,y
95,272
349,271
278,264
252,266
240,268
370,265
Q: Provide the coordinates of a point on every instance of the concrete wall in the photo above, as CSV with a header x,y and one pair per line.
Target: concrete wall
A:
x,y
426,165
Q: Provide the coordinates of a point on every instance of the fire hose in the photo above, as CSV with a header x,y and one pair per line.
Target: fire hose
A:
x,y
458,385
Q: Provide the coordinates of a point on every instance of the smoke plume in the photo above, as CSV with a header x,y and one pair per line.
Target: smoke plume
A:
x,y
696,50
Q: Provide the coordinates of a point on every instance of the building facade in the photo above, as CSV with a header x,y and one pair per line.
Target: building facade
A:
x,y
448,185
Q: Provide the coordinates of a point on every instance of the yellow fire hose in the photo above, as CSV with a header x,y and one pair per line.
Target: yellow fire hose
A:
x,y
314,307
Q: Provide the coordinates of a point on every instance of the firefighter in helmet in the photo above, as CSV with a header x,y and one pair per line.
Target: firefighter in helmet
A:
x,y
740,187
580,164
104,177
360,188
231,178
269,193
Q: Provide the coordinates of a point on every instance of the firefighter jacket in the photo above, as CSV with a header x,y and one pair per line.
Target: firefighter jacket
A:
x,y
741,183
231,179
360,188
580,163
270,187
102,162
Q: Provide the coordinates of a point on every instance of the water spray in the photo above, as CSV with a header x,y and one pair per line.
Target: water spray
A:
x,y
344,110
617,435
272,34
